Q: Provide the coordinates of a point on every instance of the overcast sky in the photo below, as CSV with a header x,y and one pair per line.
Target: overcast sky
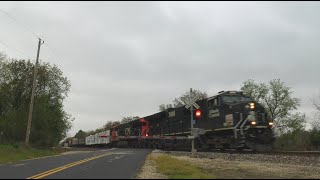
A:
x,y
127,58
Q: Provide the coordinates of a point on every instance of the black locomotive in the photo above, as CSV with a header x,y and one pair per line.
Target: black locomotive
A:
x,y
228,120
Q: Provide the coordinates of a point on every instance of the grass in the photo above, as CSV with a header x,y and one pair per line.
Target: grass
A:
x,y
13,153
178,169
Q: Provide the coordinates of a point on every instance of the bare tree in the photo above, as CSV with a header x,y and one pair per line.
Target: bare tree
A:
x,y
2,56
315,123
163,107
182,100
316,118
316,103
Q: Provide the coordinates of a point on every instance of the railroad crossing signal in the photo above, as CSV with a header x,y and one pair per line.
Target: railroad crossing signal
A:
x,y
198,113
192,102
194,105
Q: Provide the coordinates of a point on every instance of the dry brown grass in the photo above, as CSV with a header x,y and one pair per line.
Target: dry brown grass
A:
x,y
149,170
232,169
246,169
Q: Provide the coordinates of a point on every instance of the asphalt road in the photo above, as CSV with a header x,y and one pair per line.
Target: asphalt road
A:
x,y
96,164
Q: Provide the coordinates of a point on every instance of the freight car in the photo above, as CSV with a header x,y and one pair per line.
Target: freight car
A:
x,y
98,139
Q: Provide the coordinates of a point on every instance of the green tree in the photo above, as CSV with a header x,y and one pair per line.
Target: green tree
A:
x,y
108,125
90,132
81,134
129,119
50,122
256,91
315,134
315,131
116,123
99,130
315,124
276,98
293,122
316,105
2,56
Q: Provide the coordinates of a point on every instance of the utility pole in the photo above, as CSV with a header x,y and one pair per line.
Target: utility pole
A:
x,y
191,109
32,95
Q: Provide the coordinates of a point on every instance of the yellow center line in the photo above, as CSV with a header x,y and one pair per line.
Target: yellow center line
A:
x,y
55,170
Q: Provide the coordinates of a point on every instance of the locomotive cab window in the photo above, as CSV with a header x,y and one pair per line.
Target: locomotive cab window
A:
x,y
217,101
214,102
234,98
210,103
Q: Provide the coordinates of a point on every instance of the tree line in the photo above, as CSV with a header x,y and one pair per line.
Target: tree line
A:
x,y
50,122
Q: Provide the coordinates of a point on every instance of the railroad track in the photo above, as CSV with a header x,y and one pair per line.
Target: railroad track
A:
x,y
249,151
294,153
230,151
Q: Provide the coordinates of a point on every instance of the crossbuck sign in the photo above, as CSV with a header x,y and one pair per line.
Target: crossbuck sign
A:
x,y
192,102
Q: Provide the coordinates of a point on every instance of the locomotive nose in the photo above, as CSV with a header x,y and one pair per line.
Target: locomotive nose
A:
x,y
257,115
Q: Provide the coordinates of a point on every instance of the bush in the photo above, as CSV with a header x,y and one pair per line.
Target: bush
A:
x,y
15,146
295,141
315,139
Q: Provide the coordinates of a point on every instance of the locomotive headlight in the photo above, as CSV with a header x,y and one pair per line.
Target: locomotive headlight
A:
x,y
253,123
251,105
270,123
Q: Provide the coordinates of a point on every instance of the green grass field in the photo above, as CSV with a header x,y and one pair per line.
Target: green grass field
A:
x,y
178,169
13,153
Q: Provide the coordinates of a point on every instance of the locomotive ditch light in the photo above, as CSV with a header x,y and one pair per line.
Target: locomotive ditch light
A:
x,y
270,123
253,123
252,105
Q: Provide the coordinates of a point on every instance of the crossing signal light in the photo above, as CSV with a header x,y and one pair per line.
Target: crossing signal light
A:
x,y
198,113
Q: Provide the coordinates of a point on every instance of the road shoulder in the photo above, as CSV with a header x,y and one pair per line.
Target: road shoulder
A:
x,y
235,169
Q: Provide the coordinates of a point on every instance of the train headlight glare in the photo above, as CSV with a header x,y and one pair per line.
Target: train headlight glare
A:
x,y
270,123
251,105
253,123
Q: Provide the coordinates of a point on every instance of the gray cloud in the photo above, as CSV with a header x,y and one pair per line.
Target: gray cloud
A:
x,y
126,58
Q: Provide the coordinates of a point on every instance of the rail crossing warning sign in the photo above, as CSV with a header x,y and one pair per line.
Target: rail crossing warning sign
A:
x,y
192,102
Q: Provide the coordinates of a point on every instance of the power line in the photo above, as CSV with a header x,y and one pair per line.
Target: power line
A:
x,y
26,28
52,52
21,52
